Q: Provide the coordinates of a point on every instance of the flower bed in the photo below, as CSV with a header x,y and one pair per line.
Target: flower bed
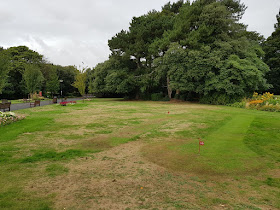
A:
x,y
263,102
64,103
8,118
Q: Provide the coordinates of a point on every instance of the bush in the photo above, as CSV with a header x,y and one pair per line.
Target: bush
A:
x,y
157,97
274,101
219,99
270,108
8,118
241,104
183,97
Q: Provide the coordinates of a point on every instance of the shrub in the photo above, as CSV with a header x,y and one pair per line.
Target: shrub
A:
x,y
8,118
270,108
219,99
274,101
157,97
264,97
241,104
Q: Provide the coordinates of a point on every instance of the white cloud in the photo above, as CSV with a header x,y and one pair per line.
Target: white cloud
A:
x,y
69,32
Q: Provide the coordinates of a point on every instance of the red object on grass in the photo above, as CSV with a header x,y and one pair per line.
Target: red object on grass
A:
x,y
67,102
201,143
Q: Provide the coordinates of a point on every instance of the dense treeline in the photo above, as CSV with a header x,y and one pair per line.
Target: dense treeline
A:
x,y
24,71
272,57
190,51
196,50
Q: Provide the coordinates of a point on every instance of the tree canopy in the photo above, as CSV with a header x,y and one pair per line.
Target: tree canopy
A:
x,y
272,57
187,50
18,65
197,48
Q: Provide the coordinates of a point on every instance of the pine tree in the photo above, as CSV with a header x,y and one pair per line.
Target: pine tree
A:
x,y
272,57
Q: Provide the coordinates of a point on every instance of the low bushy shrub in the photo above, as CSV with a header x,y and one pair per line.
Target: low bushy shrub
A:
x,y
8,118
241,104
219,99
270,108
159,97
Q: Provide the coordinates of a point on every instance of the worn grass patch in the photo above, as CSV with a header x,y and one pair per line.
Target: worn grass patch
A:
x,y
53,170
115,154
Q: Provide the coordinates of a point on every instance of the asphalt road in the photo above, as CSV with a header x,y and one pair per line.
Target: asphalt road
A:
x,y
43,103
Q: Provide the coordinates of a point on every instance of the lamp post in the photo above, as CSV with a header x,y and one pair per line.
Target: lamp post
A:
x,y
61,87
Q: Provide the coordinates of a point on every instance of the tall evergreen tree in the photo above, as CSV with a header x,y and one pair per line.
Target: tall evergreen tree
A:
x,y
272,57
199,48
220,63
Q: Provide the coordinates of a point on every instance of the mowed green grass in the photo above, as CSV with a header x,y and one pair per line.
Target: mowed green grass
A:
x,y
237,168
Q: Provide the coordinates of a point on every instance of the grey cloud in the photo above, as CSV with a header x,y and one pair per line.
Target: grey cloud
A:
x,y
69,32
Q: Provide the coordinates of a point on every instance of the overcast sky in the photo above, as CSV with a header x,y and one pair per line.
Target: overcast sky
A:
x,y
69,32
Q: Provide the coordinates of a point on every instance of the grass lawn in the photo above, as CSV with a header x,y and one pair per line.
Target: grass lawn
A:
x,y
115,154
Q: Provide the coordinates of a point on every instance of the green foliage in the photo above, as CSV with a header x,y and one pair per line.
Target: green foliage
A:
x,y
272,57
90,79
157,96
3,70
241,104
113,77
33,78
217,98
274,101
52,83
67,74
197,48
19,57
80,82
269,108
119,81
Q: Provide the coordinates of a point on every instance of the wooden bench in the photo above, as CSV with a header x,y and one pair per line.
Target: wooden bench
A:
x,y
26,100
4,106
54,100
4,101
35,103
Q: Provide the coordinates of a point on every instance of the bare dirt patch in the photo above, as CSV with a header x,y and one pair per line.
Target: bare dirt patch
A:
x,y
115,179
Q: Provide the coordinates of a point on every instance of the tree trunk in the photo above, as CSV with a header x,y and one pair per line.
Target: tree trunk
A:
x,y
169,90
139,62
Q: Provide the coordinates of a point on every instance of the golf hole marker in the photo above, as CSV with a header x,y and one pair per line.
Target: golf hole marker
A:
x,y
201,143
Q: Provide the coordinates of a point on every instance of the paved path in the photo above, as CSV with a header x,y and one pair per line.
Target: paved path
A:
x,y
43,103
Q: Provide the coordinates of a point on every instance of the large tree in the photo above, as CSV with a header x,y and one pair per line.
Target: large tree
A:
x,y
197,48
33,78
213,57
52,82
18,58
80,81
137,48
272,57
67,74
4,69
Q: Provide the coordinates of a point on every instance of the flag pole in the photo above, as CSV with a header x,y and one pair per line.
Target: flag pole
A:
x,y
199,146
